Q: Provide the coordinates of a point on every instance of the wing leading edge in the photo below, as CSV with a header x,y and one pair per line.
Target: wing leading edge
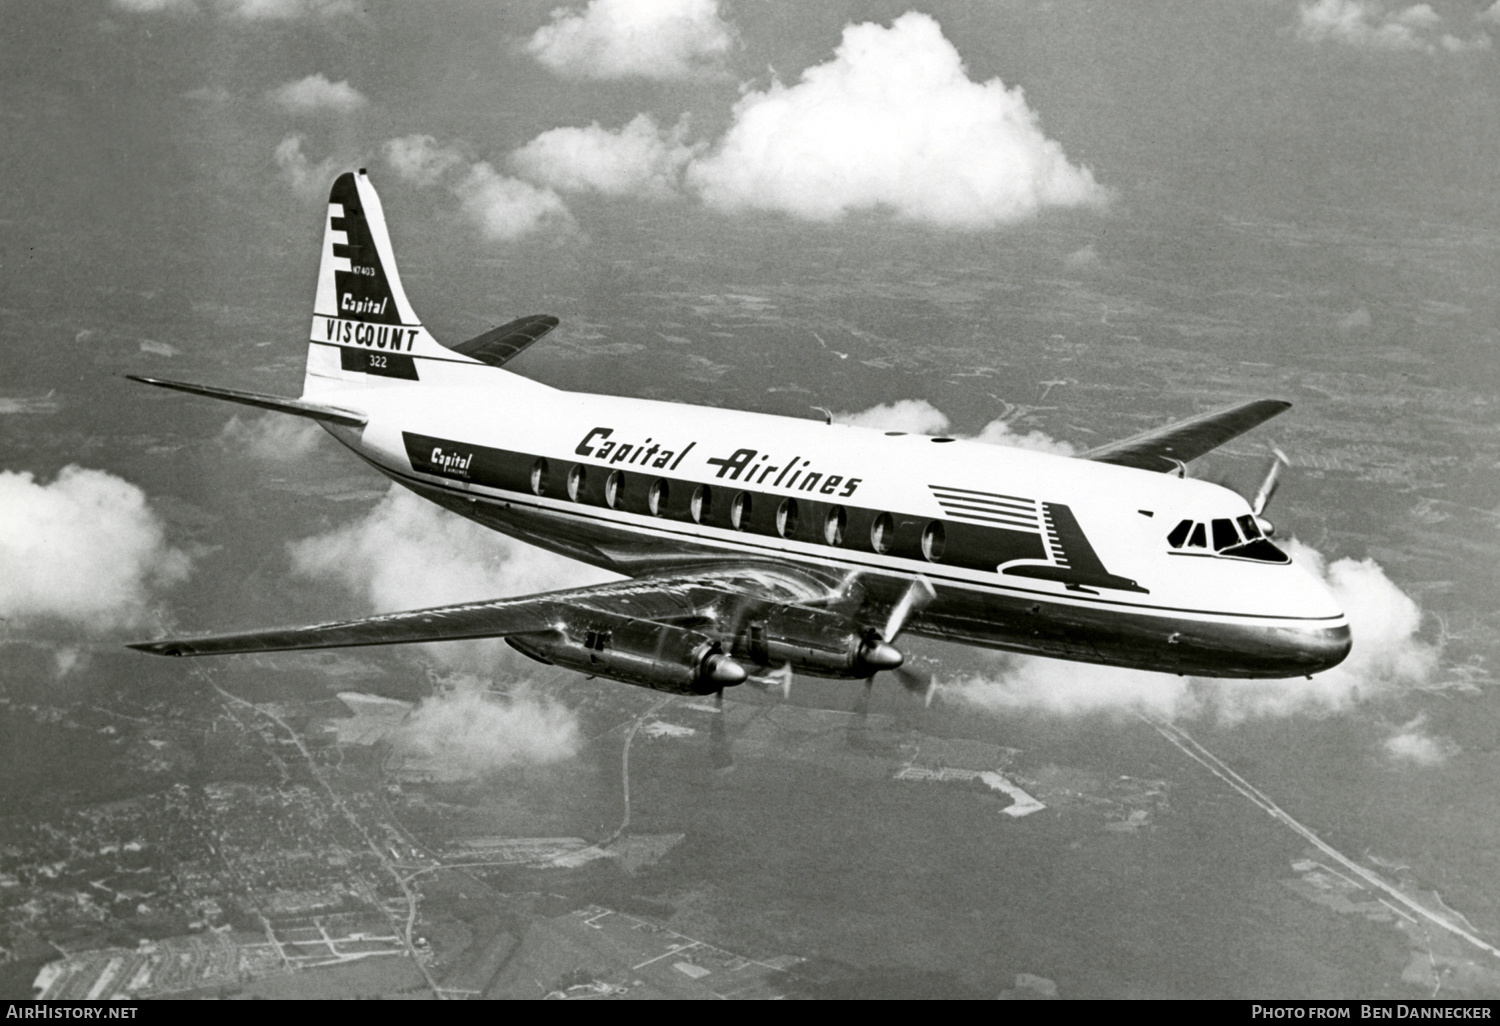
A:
x,y
1167,448
667,598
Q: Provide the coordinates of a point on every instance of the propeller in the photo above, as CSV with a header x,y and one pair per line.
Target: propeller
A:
x,y
718,734
883,654
914,599
1267,489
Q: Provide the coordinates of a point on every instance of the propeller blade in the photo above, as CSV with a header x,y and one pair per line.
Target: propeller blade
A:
x,y
915,598
917,684
1271,481
718,733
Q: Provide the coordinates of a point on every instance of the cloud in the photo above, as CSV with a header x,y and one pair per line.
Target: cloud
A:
x,y
308,180
892,122
1387,657
508,208
502,208
920,417
1370,25
271,437
86,549
1083,259
999,432
655,39
407,553
637,160
420,160
1490,15
1411,743
245,10
287,10
155,6
464,733
917,416
316,93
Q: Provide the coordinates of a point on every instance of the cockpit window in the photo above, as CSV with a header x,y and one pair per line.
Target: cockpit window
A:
x,y
1225,535
1246,543
1179,534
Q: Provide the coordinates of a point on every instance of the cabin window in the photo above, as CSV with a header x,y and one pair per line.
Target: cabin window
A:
x,y
576,480
702,504
1199,540
656,498
882,533
786,517
613,486
834,524
1248,527
739,511
934,541
1179,534
538,477
1225,535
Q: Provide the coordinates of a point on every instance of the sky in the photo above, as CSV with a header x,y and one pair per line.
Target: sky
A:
x,y
1039,223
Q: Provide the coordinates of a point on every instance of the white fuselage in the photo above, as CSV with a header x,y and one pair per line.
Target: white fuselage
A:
x,y
1027,551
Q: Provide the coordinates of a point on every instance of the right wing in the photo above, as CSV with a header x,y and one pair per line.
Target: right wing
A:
x,y
499,346
1168,447
672,597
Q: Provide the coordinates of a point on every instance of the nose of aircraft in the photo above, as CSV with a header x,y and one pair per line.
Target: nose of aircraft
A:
x,y
1328,647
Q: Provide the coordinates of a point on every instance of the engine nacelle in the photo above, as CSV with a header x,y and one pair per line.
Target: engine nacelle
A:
x,y
815,642
649,655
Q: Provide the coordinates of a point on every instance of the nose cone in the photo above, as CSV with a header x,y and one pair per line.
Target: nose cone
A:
x,y
725,672
1328,647
881,655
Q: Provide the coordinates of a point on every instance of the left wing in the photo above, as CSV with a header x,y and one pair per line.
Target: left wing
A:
x,y
681,597
1167,448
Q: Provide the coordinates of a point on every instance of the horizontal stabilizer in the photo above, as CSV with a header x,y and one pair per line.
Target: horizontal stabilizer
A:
x,y
499,346
1167,448
297,407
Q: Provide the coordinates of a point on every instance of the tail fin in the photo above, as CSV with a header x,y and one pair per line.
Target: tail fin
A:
x,y
363,331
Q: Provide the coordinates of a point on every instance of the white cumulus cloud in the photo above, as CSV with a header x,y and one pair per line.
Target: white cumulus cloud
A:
x,y
86,549
920,417
271,437
639,159
464,733
892,122
1412,744
917,416
508,208
419,159
307,179
1372,25
317,93
655,39
501,207
245,10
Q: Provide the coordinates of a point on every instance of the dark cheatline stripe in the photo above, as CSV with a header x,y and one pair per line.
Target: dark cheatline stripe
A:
x,y
973,503
1007,511
970,491
980,518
